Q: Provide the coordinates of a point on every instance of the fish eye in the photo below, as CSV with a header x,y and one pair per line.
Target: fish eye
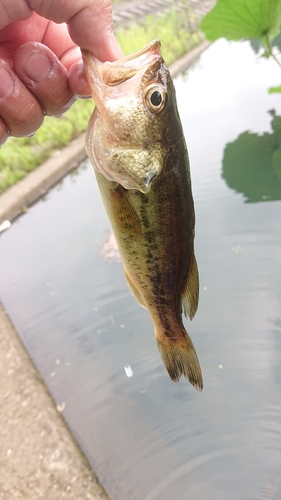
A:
x,y
155,98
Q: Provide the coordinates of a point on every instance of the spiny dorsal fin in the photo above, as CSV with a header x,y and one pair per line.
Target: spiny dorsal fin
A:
x,y
190,295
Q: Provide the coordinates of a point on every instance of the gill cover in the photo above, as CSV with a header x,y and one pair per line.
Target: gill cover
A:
x,y
123,139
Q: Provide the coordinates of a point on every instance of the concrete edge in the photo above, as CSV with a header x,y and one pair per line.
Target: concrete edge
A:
x,y
14,201
40,457
34,185
188,59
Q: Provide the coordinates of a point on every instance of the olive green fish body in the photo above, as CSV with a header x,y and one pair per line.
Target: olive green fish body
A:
x,y
153,222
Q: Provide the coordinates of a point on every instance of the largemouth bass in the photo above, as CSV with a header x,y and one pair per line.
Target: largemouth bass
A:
x,y
136,144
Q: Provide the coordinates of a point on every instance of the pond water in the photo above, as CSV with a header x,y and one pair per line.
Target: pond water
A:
x,y
147,438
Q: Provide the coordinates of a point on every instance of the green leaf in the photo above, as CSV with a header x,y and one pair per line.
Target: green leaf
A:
x,y
237,19
272,90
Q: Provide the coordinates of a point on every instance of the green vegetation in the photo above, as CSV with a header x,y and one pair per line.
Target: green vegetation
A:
x,y
236,19
173,31
19,156
252,163
246,19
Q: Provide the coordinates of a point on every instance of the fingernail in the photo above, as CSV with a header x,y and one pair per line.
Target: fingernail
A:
x,y
6,83
38,66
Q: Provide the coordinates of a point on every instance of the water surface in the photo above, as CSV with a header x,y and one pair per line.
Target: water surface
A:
x,y
147,438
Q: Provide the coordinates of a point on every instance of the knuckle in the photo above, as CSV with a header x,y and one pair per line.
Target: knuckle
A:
x,y
29,118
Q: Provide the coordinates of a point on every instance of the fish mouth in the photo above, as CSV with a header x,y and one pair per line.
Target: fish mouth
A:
x,y
152,47
117,86
114,73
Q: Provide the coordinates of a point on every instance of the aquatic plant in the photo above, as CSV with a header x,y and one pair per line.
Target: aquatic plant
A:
x,y
246,19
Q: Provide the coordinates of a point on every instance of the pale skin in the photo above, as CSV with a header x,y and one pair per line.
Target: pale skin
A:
x,y
41,69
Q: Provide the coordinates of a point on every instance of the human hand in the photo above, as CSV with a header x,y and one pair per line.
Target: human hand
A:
x,y
41,69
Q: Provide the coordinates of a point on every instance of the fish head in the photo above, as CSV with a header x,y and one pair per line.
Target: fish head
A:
x,y
125,136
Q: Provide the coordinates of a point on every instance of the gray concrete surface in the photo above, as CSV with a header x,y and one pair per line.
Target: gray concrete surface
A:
x,y
129,12
38,455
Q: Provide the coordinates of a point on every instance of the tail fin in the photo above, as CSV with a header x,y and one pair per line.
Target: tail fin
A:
x,y
180,358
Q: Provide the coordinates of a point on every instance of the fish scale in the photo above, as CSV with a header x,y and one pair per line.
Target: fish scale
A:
x,y
146,190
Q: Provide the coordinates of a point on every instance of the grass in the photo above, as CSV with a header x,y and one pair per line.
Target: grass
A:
x,y
19,156
173,30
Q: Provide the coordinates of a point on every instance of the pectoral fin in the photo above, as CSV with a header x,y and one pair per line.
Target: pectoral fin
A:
x,y
190,295
133,289
125,216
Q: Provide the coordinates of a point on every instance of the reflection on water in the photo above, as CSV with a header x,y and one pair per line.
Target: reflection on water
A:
x,y
147,438
252,163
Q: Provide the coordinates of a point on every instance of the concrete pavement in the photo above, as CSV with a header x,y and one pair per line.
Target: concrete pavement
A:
x,y
39,457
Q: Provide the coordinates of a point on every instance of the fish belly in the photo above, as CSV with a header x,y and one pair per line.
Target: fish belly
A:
x,y
155,234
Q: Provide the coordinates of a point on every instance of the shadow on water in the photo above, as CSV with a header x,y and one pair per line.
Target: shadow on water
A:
x,y
251,165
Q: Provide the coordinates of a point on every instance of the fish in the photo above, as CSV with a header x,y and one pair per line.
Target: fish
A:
x,y
136,145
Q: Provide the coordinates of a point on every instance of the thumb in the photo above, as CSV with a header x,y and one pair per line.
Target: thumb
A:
x,y
93,30
89,22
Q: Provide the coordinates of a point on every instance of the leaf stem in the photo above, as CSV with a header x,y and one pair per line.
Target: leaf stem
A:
x,y
270,50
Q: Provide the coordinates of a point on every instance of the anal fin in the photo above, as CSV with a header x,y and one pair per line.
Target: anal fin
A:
x,y
134,290
190,295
